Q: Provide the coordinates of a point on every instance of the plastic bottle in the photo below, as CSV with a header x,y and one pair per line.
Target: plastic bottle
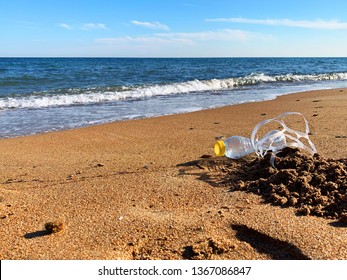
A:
x,y
237,146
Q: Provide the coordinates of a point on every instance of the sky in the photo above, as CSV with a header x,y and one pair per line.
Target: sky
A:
x,y
173,28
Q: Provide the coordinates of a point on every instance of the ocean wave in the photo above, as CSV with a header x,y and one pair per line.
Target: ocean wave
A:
x,y
107,94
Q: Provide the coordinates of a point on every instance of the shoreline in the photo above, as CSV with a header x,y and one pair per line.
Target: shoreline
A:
x,y
173,114
234,107
130,189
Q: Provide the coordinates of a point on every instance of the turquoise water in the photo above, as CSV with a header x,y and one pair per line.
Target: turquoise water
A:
x,y
46,94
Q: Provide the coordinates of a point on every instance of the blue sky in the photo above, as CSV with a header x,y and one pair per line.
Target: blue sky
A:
x,y
173,28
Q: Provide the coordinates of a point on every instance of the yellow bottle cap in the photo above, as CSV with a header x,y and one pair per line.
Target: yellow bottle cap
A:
x,y
219,148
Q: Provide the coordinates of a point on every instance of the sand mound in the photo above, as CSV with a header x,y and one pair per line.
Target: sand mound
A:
x,y
313,184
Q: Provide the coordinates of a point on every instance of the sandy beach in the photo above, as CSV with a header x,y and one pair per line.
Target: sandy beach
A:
x,y
153,189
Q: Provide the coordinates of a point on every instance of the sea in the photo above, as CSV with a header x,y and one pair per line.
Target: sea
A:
x,y
39,95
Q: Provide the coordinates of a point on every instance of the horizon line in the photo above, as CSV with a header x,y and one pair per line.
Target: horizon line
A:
x,y
173,57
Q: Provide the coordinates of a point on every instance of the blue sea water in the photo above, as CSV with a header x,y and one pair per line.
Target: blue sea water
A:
x,y
47,94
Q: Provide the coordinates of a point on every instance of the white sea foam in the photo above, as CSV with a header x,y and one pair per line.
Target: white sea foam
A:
x,y
108,94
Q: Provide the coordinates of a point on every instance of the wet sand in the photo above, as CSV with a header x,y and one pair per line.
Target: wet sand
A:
x,y
153,189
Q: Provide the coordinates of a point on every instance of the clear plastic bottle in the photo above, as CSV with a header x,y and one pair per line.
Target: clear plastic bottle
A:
x,y
237,146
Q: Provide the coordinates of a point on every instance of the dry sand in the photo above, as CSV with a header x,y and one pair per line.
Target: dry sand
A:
x,y
146,189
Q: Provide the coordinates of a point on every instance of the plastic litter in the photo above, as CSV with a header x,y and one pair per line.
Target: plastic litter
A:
x,y
234,147
275,140
237,146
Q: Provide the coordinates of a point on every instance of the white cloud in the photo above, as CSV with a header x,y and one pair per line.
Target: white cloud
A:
x,y
85,26
65,25
310,24
142,40
224,42
151,25
189,37
217,35
28,24
93,26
